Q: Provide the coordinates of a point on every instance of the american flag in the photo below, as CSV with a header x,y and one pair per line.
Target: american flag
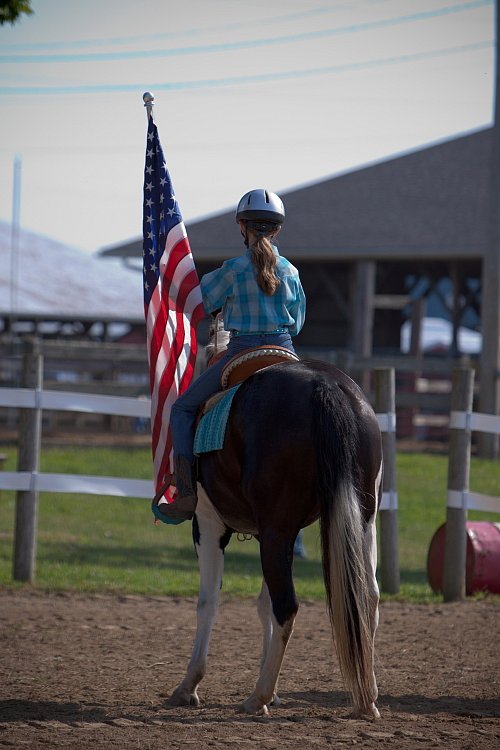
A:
x,y
172,301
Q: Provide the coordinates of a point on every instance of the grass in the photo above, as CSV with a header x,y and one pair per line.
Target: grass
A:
x,y
98,544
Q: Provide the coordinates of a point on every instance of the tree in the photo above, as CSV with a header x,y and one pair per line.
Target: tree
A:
x,y
10,10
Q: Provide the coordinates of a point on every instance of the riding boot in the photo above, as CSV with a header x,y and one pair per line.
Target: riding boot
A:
x,y
184,505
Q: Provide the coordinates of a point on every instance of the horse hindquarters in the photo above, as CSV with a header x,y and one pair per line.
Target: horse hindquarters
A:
x,y
347,543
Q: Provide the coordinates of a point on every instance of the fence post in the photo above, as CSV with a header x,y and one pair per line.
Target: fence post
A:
x,y
30,422
458,481
385,403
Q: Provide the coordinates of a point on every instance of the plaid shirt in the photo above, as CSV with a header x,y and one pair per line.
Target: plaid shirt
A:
x,y
246,309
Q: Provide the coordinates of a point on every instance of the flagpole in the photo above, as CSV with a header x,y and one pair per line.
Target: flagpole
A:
x,y
149,101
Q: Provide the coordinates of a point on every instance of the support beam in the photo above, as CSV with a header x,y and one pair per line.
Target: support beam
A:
x,y
489,373
362,308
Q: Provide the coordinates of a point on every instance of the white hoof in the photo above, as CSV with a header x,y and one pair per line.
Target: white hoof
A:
x,y
254,707
370,714
182,697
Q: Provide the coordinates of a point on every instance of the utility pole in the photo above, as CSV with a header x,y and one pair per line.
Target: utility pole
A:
x,y
489,372
14,240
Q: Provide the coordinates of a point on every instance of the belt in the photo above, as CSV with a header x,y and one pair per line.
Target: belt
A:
x,y
259,333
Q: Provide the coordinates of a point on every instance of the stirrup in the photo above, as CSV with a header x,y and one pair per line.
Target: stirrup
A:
x,y
183,507
174,516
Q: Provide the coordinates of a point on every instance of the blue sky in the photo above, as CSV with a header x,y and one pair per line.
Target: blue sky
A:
x,y
247,95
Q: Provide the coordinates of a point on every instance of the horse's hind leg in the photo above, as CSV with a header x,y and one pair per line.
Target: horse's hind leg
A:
x,y
211,537
265,612
276,556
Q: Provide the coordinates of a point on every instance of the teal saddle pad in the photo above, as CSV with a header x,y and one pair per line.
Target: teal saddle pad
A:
x,y
212,426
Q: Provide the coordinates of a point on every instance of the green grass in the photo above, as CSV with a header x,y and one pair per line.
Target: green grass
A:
x,y
98,544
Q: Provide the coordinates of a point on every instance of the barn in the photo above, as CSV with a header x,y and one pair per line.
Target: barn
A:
x,y
376,244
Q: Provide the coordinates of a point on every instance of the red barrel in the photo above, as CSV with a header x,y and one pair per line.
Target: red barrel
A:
x,y
482,572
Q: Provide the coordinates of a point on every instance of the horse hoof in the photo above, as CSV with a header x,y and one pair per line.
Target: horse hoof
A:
x,y
276,701
251,706
181,697
370,714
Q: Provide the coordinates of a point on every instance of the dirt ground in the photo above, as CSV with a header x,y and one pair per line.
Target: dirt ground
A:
x,y
93,672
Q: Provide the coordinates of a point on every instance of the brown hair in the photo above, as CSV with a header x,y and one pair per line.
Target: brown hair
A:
x,y
264,260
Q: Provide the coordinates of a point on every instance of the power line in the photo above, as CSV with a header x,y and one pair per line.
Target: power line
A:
x,y
192,31
240,80
244,44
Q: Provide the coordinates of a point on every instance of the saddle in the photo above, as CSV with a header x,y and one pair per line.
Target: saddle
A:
x,y
250,361
245,364
214,415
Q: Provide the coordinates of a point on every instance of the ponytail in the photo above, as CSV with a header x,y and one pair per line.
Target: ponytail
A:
x,y
264,260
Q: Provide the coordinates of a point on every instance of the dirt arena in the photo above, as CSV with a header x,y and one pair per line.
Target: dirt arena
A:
x,y
93,672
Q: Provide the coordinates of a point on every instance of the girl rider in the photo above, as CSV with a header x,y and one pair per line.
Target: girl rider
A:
x,y
263,304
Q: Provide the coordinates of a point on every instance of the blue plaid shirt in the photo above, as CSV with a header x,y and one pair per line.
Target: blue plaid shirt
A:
x,y
246,309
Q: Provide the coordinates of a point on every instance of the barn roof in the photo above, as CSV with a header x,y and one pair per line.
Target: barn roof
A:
x,y
431,203
54,280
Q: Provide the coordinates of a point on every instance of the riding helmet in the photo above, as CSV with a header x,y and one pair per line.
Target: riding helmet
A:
x,y
261,205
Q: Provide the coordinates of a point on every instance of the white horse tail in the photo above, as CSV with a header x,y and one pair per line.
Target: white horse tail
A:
x,y
342,536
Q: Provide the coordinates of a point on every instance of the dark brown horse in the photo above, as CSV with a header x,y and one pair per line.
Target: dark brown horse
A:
x,y
302,443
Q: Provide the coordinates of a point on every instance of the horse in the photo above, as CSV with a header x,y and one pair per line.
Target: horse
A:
x,y
302,443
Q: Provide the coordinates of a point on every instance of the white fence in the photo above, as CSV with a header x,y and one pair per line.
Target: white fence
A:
x,y
34,398
34,481
470,421
459,498
28,481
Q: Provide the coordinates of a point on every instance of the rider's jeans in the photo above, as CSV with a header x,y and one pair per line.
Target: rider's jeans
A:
x,y
185,408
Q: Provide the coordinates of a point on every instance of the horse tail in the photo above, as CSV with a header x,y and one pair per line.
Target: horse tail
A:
x,y
342,533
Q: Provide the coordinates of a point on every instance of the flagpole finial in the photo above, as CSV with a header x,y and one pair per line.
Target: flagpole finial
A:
x,y
149,101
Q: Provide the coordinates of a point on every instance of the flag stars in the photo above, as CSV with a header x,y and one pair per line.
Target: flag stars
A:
x,y
150,169
148,186
149,202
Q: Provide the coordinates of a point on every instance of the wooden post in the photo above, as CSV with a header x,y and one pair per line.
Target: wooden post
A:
x,y
30,423
416,350
385,403
363,295
458,481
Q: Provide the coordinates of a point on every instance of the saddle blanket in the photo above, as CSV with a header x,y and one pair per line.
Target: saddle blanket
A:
x,y
212,426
